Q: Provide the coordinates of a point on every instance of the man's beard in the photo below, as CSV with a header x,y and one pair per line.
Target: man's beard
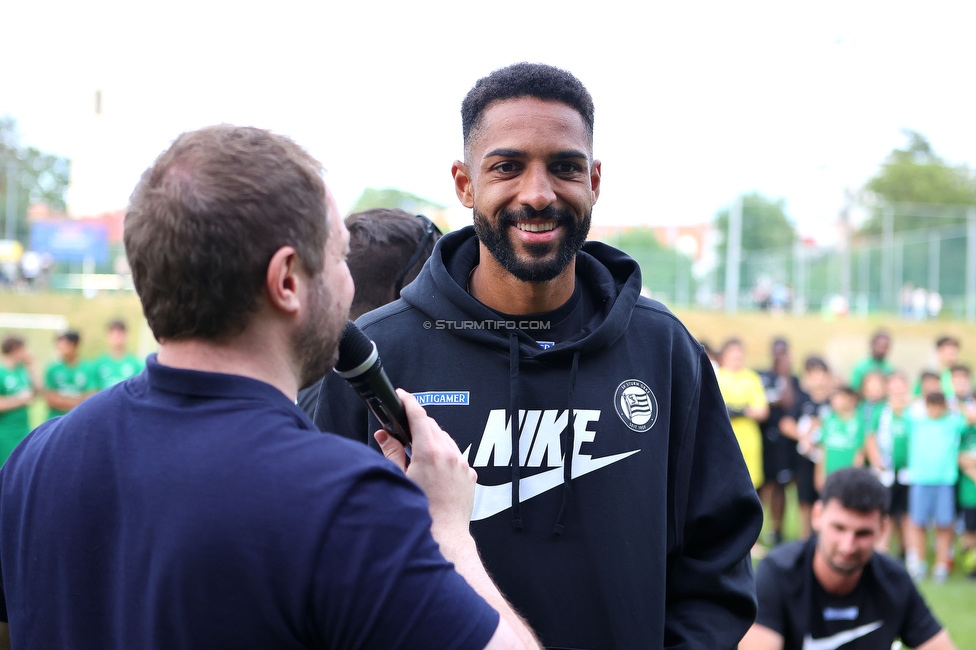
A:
x,y
497,239
316,344
846,570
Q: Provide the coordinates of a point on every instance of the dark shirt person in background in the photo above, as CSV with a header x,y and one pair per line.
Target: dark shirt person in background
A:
x,y
387,249
779,452
834,590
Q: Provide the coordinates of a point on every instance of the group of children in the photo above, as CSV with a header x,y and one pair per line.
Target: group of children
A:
x,y
67,381
920,440
922,444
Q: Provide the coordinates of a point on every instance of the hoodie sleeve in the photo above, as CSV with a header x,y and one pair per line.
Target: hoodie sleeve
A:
x,y
714,521
340,410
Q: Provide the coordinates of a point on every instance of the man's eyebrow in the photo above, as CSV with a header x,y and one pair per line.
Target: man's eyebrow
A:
x,y
568,154
505,153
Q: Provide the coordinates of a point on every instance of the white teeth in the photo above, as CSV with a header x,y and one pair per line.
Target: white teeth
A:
x,y
535,227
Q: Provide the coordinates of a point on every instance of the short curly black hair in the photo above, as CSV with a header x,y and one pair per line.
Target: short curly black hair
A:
x,y
537,80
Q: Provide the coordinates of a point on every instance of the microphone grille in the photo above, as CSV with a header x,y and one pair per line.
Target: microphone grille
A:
x,y
354,348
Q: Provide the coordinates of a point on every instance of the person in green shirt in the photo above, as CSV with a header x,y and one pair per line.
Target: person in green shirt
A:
x,y
118,364
17,390
947,355
874,389
967,497
876,362
886,448
933,465
841,435
961,397
68,381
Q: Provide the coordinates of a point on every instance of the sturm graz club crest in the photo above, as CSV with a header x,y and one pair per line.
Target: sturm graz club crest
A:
x,y
636,405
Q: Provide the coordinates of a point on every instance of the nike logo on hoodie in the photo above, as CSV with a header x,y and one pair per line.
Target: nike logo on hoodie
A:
x,y
542,436
491,499
835,641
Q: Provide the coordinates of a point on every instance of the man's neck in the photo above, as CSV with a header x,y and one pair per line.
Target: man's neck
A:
x,y
498,289
833,581
241,355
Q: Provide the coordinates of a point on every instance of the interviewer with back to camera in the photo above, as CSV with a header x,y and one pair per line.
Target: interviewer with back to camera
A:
x,y
195,505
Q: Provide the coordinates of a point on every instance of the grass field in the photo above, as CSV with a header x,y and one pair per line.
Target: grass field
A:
x,y
841,342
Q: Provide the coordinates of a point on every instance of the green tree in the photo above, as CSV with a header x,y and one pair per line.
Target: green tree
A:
x,y
923,193
922,188
39,177
767,240
393,198
665,271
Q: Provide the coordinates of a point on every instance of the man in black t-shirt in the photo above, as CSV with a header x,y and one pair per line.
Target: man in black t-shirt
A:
x,y
780,458
833,591
802,424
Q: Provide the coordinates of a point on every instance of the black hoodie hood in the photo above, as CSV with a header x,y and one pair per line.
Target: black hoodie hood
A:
x,y
440,292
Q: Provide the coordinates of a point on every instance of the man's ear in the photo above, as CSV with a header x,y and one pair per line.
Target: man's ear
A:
x,y
815,514
885,524
284,280
462,183
596,172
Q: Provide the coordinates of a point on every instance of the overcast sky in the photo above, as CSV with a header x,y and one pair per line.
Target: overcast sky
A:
x,y
695,103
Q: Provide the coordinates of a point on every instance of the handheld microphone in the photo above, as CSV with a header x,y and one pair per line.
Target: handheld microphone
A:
x,y
360,365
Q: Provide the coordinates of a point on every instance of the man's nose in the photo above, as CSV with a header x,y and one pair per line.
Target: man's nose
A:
x,y
848,544
536,189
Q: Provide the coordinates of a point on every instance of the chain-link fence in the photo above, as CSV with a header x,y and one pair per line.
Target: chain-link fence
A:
x,y
920,274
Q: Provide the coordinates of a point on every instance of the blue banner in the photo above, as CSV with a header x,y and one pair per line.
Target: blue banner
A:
x,y
71,241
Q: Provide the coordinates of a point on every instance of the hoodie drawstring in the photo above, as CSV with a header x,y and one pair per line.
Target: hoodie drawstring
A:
x,y
513,381
569,443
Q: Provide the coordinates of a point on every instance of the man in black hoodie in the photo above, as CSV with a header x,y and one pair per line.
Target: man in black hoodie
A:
x,y
613,505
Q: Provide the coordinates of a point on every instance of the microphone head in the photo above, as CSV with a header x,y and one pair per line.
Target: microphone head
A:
x,y
354,348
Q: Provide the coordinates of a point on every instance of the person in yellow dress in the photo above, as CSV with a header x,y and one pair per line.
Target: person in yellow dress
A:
x,y
745,400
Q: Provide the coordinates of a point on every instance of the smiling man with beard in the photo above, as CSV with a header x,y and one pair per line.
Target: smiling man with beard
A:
x,y
612,503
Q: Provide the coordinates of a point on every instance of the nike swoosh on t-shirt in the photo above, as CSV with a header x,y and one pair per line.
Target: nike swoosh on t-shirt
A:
x,y
835,641
491,499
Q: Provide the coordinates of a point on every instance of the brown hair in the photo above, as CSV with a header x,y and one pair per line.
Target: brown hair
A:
x,y
11,344
205,220
382,242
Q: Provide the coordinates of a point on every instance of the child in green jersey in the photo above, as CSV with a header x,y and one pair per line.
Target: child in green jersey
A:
x,y
873,393
933,465
17,390
967,497
117,364
841,435
68,381
887,451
